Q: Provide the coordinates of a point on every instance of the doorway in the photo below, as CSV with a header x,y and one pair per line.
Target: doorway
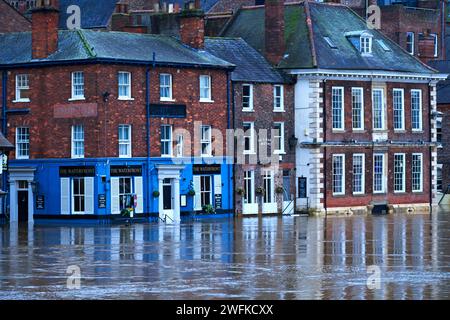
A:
x,y
22,205
167,194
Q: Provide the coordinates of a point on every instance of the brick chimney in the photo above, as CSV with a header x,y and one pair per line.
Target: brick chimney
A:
x,y
274,30
192,26
44,28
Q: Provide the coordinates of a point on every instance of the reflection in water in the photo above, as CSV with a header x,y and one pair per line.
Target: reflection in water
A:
x,y
252,258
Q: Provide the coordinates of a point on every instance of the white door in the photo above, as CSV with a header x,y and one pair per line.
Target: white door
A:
x,y
269,204
249,205
168,198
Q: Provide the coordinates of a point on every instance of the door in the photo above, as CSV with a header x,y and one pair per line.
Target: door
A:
x,y
168,198
269,204
23,205
288,203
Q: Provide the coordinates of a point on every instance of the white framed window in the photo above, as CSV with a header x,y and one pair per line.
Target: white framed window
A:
x,y
166,140
358,173
180,146
417,172
379,173
249,137
247,97
338,174
124,141
435,37
78,141
410,42
205,88
205,141
22,143
125,187
279,137
337,104
205,190
416,109
378,109
365,42
22,88
268,185
399,172
358,108
399,109
278,98
165,87
124,81
249,186
77,85
78,196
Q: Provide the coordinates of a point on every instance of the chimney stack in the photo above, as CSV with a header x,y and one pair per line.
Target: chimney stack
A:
x,y
274,30
44,28
192,26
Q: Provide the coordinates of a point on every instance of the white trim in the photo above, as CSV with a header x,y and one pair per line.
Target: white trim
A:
x,y
18,88
402,91
341,155
420,110
383,174
170,97
363,176
209,98
252,137
17,145
413,42
383,110
281,149
403,155
342,122
166,140
123,142
128,97
281,108
250,98
361,91
73,155
77,97
421,173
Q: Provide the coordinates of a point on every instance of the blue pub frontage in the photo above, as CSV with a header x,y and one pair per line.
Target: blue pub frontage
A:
x,y
97,188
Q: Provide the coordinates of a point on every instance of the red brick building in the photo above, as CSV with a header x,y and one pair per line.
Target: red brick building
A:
x,y
364,108
11,20
97,116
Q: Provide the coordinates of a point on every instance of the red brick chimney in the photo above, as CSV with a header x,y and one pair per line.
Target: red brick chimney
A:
x,y
274,30
192,27
44,28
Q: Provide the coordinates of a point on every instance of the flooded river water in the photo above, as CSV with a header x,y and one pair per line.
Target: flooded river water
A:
x,y
252,258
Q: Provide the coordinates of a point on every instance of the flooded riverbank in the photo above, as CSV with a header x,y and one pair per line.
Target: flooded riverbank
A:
x,y
251,258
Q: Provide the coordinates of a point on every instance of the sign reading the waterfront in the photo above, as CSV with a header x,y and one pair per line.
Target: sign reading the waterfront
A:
x,y
302,187
102,201
77,171
218,201
40,202
118,171
206,169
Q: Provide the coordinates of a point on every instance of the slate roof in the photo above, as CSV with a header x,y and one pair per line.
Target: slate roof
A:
x,y
251,66
443,87
331,20
4,143
88,44
94,13
205,5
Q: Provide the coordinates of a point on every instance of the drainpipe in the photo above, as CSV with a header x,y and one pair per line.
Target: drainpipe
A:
x,y
325,148
5,185
230,189
147,129
233,106
430,152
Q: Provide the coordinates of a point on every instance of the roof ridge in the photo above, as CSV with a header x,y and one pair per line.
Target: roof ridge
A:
x,y
310,33
90,51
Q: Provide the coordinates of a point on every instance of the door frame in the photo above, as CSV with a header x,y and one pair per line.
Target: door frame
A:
x,y
173,172
17,174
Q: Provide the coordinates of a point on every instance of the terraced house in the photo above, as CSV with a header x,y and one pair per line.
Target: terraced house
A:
x,y
95,119
364,108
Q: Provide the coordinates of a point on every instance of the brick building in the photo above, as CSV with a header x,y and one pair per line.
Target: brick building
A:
x,y
364,108
263,98
98,116
11,20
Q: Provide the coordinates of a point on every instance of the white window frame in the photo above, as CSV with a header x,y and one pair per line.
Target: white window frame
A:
x,y
207,141
20,140
383,111
125,142
250,98
402,115
251,137
169,86
383,174
365,44
421,172
403,173
420,110
75,141
436,51
203,191
361,111
202,88
363,175
342,192
279,98
280,136
22,83
342,103
125,85
78,194
249,182
410,42
166,140
74,95
268,178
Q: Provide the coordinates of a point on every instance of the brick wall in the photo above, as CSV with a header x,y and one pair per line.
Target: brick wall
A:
x,y
11,20
51,89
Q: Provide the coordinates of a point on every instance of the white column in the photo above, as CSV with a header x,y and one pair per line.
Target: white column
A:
x,y
176,201
13,210
30,204
160,198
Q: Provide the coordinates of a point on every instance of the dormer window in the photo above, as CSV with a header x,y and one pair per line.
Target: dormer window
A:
x,y
365,44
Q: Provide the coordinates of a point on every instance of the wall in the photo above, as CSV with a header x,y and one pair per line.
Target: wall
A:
x,y
11,20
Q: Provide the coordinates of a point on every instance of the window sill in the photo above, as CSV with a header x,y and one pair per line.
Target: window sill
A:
x,y
359,194
400,193
359,131
399,131
249,153
125,157
125,99
417,131
21,101
206,156
206,101
337,130
77,157
380,193
339,195
167,100
279,152
166,156
22,158
77,99
248,110
281,111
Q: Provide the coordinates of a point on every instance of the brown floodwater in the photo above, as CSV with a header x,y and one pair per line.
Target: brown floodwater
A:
x,y
292,257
